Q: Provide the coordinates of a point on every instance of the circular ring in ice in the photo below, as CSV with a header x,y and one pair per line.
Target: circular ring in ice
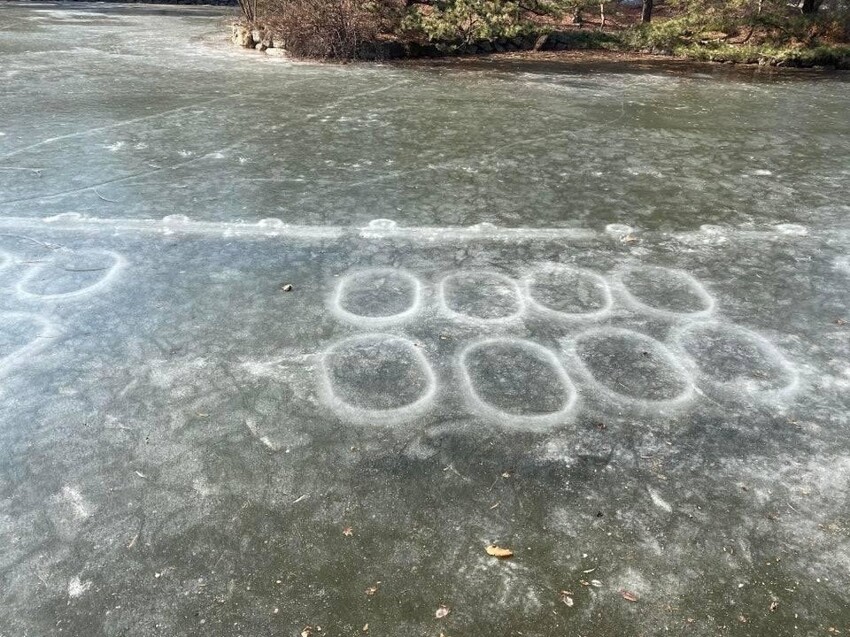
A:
x,y
543,379
569,279
375,297
665,283
480,296
642,372
377,379
102,279
730,361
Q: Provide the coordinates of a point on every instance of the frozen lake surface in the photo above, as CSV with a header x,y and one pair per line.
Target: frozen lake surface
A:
x,y
595,316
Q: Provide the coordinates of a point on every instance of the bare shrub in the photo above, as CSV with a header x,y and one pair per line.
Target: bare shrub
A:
x,y
323,29
249,9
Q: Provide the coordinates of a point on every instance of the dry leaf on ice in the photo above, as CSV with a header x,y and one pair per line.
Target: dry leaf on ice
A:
x,y
498,551
629,596
442,611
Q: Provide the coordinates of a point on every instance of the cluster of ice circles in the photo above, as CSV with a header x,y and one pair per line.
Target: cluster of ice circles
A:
x,y
64,276
384,378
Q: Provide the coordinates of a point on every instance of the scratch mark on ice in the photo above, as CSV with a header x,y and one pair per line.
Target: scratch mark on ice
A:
x,y
98,129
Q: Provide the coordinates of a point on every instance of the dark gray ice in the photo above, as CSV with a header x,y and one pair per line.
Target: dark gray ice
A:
x,y
595,315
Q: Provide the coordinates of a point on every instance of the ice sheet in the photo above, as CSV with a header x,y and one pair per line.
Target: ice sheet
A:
x,y
567,312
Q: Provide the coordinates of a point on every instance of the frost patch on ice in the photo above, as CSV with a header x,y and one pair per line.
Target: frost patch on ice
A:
x,y
271,445
713,229
618,230
22,335
649,172
175,377
251,424
792,229
202,487
658,501
812,525
560,451
114,147
513,583
79,506
836,382
632,581
77,587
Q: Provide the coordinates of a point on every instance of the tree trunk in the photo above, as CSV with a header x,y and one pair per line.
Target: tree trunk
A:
x,y
646,13
811,6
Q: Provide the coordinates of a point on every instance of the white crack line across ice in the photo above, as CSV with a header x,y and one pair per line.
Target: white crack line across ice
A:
x,y
126,122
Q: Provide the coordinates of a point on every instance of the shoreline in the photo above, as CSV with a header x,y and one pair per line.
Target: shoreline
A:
x,y
435,55
620,60
551,46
